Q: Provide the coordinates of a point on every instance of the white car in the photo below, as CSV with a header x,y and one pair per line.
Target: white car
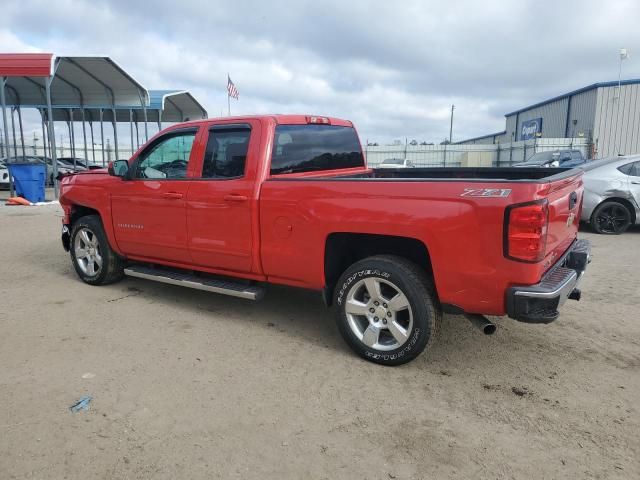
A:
x,y
4,177
396,163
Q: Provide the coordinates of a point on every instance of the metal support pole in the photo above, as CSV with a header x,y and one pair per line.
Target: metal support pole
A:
x,y
159,119
21,134
3,101
44,137
52,137
131,128
137,132
453,107
115,134
72,134
84,137
146,130
15,139
73,138
102,137
93,144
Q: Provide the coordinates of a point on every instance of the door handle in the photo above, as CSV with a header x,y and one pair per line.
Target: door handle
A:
x,y
636,183
235,198
172,195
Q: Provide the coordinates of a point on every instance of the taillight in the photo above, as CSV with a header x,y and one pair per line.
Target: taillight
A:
x,y
525,231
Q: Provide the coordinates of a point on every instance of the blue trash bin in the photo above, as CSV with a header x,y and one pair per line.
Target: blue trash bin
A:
x,y
28,180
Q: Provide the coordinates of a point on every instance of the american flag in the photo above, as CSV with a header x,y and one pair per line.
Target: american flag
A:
x,y
231,89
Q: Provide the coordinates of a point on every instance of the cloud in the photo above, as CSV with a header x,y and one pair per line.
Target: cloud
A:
x,y
394,68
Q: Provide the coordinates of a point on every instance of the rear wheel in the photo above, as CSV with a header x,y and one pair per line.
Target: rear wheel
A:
x,y
611,218
94,260
387,309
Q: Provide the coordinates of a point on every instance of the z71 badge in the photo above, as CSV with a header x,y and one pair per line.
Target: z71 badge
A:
x,y
486,192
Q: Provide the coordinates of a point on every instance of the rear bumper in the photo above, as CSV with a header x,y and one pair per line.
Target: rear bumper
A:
x,y
539,303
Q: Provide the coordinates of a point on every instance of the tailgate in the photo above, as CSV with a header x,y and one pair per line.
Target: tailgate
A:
x,y
565,202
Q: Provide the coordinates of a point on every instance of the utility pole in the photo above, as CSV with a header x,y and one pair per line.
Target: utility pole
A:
x,y
453,107
623,56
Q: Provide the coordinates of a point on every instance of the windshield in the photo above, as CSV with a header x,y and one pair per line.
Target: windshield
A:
x,y
541,158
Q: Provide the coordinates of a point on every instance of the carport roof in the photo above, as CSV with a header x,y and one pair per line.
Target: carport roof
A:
x,y
165,105
89,81
176,105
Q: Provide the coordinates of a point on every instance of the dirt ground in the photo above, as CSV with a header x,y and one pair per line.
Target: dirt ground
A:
x,y
191,385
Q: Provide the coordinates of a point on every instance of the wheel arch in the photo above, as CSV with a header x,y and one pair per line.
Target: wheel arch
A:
x,y
78,210
343,249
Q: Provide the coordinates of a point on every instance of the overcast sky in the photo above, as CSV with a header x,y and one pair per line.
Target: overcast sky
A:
x,y
394,68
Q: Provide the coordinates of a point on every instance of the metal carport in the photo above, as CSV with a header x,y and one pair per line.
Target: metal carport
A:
x,y
165,105
33,80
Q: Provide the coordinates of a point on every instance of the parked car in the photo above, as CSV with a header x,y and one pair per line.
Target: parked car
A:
x,y
227,206
73,163
63,168
80,163
612,194
557,158
4,176
396,163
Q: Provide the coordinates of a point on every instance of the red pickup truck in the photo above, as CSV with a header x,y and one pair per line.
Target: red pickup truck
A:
x,y
231,204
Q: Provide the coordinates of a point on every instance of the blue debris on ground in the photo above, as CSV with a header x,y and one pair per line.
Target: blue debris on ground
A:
x,y
82,404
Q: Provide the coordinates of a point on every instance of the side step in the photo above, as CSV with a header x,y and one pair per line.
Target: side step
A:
x,y
185,279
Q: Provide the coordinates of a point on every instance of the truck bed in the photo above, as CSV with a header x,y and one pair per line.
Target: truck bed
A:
x,y
501,174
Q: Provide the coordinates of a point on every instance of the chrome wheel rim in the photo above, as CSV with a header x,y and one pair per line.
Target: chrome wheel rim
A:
x,y
612,219
86,249
379,314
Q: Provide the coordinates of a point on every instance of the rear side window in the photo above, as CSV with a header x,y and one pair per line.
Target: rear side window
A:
x,y
632,169
226,153
307,148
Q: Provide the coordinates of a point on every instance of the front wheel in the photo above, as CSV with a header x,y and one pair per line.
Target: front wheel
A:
x,y
94,260
387,309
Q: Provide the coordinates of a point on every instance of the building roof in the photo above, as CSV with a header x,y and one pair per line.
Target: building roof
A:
x,y
632,81
482,137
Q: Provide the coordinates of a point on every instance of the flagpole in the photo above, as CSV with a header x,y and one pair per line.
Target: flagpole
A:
x,y
228,96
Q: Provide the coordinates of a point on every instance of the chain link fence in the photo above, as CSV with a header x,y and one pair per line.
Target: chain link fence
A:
x,y
477,155
94,156
453,155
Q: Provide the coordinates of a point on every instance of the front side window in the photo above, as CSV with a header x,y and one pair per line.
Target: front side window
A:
x,y
226,153
168,158
307,148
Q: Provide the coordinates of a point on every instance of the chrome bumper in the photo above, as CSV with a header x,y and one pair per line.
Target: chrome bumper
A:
x,y
539,303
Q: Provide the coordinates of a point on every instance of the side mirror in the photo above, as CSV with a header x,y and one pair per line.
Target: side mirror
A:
x,y
118,168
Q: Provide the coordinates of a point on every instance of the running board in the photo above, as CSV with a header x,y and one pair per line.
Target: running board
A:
x,y
225,287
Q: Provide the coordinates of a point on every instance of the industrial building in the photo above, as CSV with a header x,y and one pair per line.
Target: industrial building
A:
x,y
607,114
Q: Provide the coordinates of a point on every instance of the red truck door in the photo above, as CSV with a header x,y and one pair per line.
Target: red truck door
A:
x,y
220,203
148,209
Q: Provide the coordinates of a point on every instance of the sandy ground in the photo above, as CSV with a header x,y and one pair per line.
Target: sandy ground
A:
x,y
190,385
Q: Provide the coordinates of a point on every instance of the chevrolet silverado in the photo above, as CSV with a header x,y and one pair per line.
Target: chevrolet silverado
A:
x,y
229,205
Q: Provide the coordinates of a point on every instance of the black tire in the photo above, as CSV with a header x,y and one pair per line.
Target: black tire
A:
x,y
112,265
611,218
419,321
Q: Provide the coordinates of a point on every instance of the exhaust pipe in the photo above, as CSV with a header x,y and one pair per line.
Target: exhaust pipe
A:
x,y
482,323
